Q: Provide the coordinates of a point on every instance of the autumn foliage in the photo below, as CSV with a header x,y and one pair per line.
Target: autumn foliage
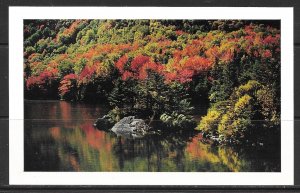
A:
x,y
90,59
185,59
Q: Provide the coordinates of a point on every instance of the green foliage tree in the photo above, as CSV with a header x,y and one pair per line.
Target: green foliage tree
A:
x,y
249,115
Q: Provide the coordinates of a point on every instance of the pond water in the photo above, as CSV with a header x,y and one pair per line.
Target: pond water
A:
x,y
59,136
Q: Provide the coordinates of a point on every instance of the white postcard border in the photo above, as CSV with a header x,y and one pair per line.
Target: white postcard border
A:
x,y
17,176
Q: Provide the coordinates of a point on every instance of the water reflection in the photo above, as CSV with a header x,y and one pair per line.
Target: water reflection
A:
x,y
59,136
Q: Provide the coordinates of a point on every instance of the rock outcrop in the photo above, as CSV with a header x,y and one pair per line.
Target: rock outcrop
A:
x,y
131,127
104,123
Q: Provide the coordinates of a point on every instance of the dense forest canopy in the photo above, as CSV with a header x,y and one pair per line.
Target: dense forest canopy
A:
x,y
160,69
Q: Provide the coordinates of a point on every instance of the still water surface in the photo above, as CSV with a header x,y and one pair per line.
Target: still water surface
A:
x,y
59,136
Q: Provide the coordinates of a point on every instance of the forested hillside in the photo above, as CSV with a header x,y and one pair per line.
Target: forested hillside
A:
x,y
159,69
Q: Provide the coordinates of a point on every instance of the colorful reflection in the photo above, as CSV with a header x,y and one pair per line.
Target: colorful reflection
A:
x,y
65,140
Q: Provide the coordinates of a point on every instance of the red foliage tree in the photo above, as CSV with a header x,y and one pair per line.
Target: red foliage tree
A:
x,y
138,62
120,64
86,74
68,86
43,80
267,54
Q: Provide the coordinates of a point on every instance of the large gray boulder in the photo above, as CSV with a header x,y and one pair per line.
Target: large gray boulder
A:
x,y
131,127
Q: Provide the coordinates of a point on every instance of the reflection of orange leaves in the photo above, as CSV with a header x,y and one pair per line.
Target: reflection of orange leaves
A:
x,y
74,163
196,149
55,132
65,110
95,138
193,147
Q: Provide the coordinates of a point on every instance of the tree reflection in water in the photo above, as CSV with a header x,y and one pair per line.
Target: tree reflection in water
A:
x,y
88,149
73,144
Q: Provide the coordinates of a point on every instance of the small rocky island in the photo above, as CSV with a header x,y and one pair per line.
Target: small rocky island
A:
x,y
129,127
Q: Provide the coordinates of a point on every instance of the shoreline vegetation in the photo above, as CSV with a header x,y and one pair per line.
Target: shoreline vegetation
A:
x,y
160,69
